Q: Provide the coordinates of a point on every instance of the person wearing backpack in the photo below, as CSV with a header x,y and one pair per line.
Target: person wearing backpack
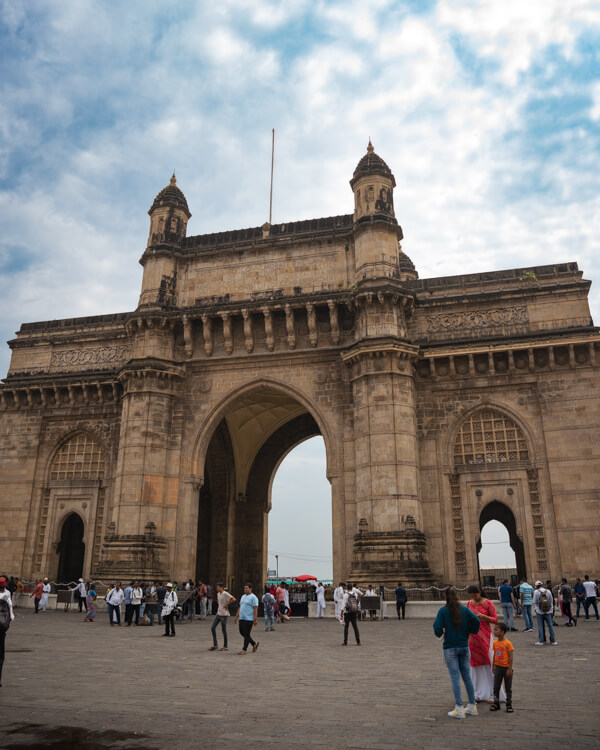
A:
x,y
351,608
268,601
544,607
6,617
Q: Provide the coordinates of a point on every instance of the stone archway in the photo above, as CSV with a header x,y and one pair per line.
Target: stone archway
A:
x,y
497,511
254,435
71,551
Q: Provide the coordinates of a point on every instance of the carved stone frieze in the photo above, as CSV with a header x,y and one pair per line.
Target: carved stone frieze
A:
x,y
477,319
88,358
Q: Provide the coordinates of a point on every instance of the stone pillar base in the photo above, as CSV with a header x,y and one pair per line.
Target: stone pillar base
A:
x,y
128,557
386,557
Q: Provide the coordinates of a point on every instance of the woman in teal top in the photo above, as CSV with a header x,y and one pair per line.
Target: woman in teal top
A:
x,y
455,622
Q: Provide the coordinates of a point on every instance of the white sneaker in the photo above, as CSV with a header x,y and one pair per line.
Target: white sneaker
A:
x,y
471,709
554,643
457,713
539,643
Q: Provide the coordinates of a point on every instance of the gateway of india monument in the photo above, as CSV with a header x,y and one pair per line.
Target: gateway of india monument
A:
x,y
143,444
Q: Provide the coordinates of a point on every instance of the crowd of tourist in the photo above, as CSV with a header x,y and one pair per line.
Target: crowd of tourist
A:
x,y
475,643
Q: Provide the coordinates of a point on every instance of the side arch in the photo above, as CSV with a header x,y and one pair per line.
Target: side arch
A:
x,y
71,548
498,511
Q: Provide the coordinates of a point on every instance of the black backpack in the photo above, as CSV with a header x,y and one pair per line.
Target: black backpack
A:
x,y
4,615
352,605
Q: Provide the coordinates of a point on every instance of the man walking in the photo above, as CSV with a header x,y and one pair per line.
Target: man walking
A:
x,y
114,599
526,593
224,599
544,607
37,594
507,602
401,597
246,616
268,601
351,610
591,591
565,593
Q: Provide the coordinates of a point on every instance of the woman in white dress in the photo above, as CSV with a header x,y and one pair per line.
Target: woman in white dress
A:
x,y
480,645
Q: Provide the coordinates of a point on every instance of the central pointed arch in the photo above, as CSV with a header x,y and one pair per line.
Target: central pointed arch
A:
x,y
236,455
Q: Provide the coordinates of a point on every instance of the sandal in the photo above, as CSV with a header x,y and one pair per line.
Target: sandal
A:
x,y
256,645
213,648
510,710
241,653
224,648
495,707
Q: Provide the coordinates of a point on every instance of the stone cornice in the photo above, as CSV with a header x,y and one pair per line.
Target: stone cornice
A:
x,y
378,348
65,393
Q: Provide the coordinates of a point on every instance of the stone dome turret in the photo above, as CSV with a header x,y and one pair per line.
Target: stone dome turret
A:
x,y
371,164
171,196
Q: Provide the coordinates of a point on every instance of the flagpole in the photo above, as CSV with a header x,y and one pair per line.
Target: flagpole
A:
x,y
272,161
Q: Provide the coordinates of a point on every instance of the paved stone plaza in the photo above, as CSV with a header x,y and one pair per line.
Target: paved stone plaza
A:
x,y
90,682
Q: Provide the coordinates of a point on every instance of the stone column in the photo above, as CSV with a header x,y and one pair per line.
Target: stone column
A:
x,y
146,477
388,544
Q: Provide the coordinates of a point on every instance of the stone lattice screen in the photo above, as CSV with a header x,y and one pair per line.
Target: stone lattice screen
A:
x,y
79,458
490,437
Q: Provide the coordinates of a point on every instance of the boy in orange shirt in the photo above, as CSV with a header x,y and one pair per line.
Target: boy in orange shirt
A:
x,y
503,667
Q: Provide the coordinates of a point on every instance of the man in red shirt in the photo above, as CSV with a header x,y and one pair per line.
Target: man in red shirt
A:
x,y
37,594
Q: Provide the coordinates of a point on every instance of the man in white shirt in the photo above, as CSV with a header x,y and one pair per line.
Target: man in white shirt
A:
x,y
137,594
338,598
81,594
45,592
591,591
114,599
224,600
4,597
320,591
543,603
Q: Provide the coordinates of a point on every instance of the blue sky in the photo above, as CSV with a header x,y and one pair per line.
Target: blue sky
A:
x,y
488,114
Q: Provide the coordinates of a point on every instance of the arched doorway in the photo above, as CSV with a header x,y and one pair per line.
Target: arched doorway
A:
x,y
71,550
257,430
497,511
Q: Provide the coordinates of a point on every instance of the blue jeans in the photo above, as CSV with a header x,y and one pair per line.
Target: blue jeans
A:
x,y
457,660
527,615
546,617
507,613
590,601
269,619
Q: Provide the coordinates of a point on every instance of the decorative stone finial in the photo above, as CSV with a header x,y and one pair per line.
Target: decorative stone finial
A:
x,y
173,180
370,148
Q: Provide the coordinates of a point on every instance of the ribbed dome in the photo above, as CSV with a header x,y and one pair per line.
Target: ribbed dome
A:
x,y
171,196
371,163
405,263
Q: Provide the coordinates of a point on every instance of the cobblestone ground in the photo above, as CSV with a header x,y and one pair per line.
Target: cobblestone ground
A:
x,y
73,684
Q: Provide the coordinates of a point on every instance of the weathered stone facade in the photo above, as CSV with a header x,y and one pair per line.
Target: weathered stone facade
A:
x,y
443,403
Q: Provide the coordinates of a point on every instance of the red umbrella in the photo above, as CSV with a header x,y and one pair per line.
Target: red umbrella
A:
x,y
304,578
